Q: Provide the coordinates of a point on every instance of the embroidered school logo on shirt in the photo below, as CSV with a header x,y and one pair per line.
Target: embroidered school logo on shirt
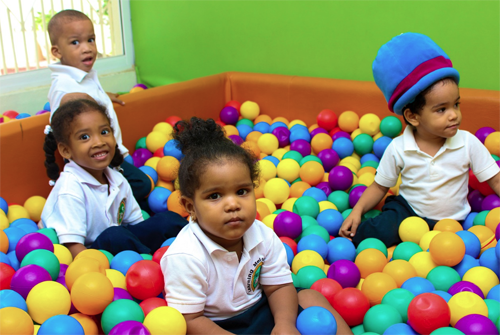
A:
x,y
121,211
253,275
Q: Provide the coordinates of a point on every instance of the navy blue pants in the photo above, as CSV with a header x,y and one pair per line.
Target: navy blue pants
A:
x,y
145,237
385,226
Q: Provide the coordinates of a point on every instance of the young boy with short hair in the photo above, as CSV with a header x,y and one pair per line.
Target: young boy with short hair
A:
x,y
432,155
73,42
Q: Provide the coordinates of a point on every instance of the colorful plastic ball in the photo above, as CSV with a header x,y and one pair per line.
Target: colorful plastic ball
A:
x,y
124,260
249,110
343,147
428,312
376,285
165,320
156,140
47,299
370,261
471,242
369,124
28,277
490,202
144,279
229,115
475,199
299,132
32,241
25,224
308,275
140,156
380,145
116,277
87,322
348,121
447,249
283,136
467,263
17,212
315,229
315,193
288,224
341,248
130,327
492,143
91,293
340,178
15,321
120,293
13,235
327,119
172,120
418,285
380,317
50,233
355,194
306,205
443,277
492,219
483,277
412,229
345,272
489,259
14,263
301,146
316,320
352,305
307,258
34,206
423,263
400,329
263,127
494,293
313,242
327,287
400,270
10,298
119,311
158,198
483,132
476,324
61,324
329,158
400,299
45,259
465,303
150,304
465,286
312,173
340,199
390,126
331,220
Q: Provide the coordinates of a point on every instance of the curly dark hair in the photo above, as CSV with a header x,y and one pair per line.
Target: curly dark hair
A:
x,y
61,126
204,142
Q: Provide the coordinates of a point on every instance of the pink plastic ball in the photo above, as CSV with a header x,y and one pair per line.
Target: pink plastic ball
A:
x,y
229,115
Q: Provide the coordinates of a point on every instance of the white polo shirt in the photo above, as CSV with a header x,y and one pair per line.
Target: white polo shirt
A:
x,y
436,187
79,208
69,79
200,275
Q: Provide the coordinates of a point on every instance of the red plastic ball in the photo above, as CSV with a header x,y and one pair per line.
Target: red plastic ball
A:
x,y
327,119
485,189
473,182
11,114
327,287
352,305
159,254
159,153
144,279
428,312
290,242
6,274
233,103
151,303
220,123
172,120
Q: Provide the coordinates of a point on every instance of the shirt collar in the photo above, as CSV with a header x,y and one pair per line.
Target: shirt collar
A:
x,y
86,178
410,144
76,74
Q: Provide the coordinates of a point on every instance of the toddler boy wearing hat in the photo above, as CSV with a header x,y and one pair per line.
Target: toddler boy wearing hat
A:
x,y
432,155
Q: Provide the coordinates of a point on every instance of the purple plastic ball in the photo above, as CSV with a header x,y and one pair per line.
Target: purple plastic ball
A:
x,y
317,131
340,178
325,187
355,194
465,286
345,272
236,139
283,136
497,232
62,269
41,112
32,241
475,200
302,146
140,156
340,134
130,327
141,85
483,132
27,277
490,201
121,293
288,224
329,158
473,324
229,115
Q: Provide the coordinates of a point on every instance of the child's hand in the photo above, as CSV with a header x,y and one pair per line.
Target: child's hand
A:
x,y
284,328
114,98
349,226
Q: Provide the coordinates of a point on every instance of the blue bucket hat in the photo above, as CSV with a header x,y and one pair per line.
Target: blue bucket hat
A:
x,y
407,65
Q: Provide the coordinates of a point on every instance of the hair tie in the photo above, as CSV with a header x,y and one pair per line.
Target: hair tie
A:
x,y
52,182
47,129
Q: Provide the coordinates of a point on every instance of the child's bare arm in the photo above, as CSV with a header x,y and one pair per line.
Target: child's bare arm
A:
x,y
494,183
197,323
284,305
75,248
370,198
114,98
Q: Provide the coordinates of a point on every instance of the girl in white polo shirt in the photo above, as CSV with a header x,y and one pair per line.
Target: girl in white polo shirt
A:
x,y
91,205
227,272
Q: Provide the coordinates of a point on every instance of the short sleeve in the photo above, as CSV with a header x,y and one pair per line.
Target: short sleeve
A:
x,y
389,168
276,270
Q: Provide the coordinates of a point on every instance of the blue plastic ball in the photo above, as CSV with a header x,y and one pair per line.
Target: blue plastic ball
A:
x,y
400,329
157,199
489,259
316,193
274,126
4,205
418,285
343,147
315,243
124,260
22,116
129,159
369,157
14,262
28,225
494,293
244,130
331,220
168,242
61,324
316,320
4,258
445,295
150,172
300,133
14,234
172,148
289,254
10,298
262,127
46,107
341,248
465,264
471,241
469,220
272,159
380,145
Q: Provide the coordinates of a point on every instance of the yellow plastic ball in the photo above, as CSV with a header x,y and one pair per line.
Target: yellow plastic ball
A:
x,y
483,277
277,190
136,89
422,263
5,118
269,203
91,293
492,143
313,126
279,153
350,166
465,303
447,249
288,169
95,254
47,299
369,124
296,121
165,320
165,128
231,130
355,133
348,121
366,179
268,143
412,229
87,322
288,204
306,258
426,239
34,206
484,234
325,204
262,209
448,225
17,212
377,136
116,278
325,269
249,110
166,184
259,190
152,162
353,161
400,270
15,321
311,172
267,169
366,170
156,140
492,219
269,220
168,168
320,142
63,254
360,284
4,221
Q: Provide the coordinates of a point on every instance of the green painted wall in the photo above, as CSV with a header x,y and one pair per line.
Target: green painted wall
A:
x,y
180,40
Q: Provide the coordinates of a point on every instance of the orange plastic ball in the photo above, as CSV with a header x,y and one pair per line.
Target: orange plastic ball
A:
x,y
252,147
4,242
448,225
492,143
91,293
259,190
370,261
95,254
262,209
312,173
492,219
87,322
281,119
174,204
298,188
348,121
168,168
400,270
321,142
231,130
263,118
80,267
253,136
485,235
376,285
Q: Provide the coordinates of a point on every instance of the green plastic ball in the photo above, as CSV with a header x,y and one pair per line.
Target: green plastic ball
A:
x,y
346,213
279,211
50,233
380,317
295,155
145,215
309,158
295,280
363,144
371,214
317,230
443,277
147,257
391,126
480,218
340,199
447,331
141,143
245,121
44,258
373,164
372,243
120,310
493,309
358,330
495,157
306,205
308,275
308,221
400,299
405,250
